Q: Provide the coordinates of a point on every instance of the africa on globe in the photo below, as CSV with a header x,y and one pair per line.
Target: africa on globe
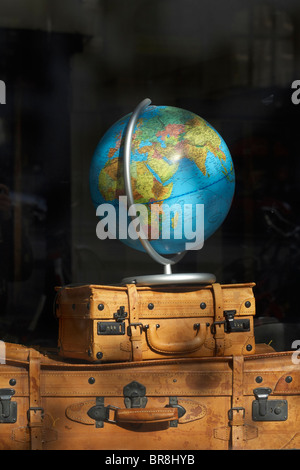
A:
x,y
179,164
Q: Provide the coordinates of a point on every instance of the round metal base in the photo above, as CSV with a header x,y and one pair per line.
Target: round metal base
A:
x,y
167,279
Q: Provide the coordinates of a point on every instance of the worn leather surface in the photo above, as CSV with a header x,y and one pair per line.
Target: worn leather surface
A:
x,y
160,322
216,393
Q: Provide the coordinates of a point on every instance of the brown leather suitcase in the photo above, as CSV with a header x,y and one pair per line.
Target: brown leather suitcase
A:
x,y
208,403
131,323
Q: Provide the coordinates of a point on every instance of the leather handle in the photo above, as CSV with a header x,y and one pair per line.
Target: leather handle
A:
x,y
139,416
81,412
170,347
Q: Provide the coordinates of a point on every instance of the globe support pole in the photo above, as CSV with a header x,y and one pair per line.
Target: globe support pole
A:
x,y
167,277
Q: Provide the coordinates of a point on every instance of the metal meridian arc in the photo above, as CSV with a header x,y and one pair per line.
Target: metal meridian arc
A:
x,y
128,188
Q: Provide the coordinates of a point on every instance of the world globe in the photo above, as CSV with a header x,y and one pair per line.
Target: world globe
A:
x,y
178,161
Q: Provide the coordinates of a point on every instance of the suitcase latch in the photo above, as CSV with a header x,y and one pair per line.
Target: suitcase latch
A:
x,y
8,408
231,324
134,395
120,314
264,409
117,327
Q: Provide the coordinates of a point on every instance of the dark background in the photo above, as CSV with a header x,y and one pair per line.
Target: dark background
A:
x,y
72,69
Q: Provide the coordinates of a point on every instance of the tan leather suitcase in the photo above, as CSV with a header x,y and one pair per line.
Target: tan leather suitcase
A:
x,y
130,323
236,402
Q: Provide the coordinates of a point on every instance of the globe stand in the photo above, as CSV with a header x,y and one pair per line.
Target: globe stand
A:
x,y
167,277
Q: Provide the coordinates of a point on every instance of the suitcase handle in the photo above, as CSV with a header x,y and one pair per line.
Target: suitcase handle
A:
x,y
142,415
84,413
175,347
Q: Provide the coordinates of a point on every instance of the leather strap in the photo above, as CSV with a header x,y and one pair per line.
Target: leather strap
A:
x,y
134,325
35,412
240,431
237,412
219,334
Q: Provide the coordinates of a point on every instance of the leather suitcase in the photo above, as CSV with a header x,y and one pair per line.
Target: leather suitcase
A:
x,y
131,323
208,403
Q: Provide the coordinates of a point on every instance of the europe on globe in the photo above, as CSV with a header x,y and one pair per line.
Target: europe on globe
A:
x,y
178,161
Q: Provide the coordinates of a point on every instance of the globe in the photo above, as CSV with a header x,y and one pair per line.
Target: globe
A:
x,y
178,161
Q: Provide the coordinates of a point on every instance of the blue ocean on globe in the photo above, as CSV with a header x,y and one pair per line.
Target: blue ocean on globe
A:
x,y
177,159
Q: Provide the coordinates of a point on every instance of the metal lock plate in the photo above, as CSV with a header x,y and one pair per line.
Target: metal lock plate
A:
x,y
134,395
233,325
264,409
109,328
8,408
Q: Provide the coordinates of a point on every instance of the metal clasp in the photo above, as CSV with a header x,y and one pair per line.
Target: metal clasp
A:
x,y
111,407
229,315
213,326
120,314
134,324
232,325
264,409
135,395
35,409
8,408
262,395
236,408
173,403
100,413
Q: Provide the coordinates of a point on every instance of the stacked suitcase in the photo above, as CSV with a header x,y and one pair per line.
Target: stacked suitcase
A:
x,y
151,368
134,323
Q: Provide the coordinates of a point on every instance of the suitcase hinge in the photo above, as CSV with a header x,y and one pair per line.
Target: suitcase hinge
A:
x,y
173,403
264,409
8,408
99,412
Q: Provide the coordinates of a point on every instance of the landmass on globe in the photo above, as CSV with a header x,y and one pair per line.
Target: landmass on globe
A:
x,y
176,157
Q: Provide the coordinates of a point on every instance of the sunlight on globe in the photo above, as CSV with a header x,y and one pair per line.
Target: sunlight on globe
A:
x,y
177,159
